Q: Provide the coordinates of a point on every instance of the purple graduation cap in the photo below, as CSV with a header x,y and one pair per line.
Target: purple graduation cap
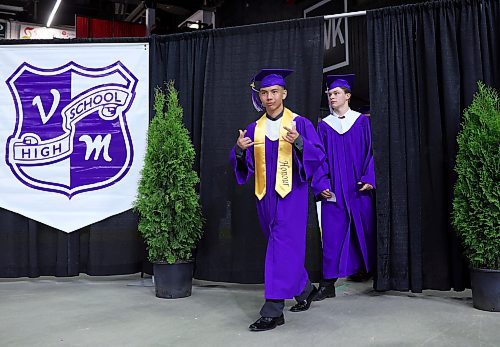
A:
x,y
334,81
267,78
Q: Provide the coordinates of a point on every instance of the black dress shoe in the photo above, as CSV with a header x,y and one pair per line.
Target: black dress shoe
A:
x,y
325,292
304,305
267,323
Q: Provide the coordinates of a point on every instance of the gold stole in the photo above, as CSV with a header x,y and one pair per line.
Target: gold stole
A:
x,y
284,167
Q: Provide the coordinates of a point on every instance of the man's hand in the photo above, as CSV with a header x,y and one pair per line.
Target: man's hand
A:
x,y
244,142
365,186
291,135
327,194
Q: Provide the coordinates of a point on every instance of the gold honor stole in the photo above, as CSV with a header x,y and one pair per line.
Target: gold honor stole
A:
x,y
284,167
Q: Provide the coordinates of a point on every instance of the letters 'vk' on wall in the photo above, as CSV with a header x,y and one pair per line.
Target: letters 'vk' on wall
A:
x,y
73,130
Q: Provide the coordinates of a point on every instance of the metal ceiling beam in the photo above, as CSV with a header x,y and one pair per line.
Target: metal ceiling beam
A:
x,y
11,8
136,13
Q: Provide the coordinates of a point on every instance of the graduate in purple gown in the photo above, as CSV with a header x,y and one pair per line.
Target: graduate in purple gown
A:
x,y
345,185
281,150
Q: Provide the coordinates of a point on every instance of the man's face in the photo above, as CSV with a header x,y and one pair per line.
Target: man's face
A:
x,y
338,97
272,97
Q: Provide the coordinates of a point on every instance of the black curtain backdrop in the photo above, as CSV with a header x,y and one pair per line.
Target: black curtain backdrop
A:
x,y
424,61
183,59
31,249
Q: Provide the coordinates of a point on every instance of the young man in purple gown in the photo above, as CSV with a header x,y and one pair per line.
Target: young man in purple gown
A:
x,y
282,151
345,185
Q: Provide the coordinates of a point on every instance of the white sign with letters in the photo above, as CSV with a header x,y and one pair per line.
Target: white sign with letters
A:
x,y
31,32
73,136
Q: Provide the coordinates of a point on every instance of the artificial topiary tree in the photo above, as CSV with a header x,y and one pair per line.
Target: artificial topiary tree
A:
x,y
167,202
476,204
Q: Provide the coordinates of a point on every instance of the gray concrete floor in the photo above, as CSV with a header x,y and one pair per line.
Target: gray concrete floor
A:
x,y
123,311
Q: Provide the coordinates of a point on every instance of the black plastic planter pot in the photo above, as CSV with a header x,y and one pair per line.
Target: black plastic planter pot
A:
x,y
485,285
173,281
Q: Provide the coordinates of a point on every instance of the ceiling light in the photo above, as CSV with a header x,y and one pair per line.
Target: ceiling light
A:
x,y
195,25
52,14
199,20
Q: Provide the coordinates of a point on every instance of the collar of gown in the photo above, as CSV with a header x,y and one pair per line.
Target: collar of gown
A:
x,y
273,128
342,125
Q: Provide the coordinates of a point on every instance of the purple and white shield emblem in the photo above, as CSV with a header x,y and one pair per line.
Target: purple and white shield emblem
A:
x,y
71,132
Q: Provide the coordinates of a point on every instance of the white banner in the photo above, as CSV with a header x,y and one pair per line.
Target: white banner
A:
x,y
73,125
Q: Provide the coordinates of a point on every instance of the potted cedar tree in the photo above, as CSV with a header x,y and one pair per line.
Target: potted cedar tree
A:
x,y
476,204
170,218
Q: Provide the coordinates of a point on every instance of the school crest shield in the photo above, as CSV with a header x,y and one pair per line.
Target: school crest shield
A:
x,y
71,133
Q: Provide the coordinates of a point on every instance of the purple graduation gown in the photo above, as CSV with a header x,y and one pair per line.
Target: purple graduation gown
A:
x,y
284,220
348,225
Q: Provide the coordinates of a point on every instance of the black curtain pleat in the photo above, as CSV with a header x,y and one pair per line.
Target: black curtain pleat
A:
x,y
424,62
182,58
31,249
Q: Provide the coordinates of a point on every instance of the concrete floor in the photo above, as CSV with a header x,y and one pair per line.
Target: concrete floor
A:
x,y
123,311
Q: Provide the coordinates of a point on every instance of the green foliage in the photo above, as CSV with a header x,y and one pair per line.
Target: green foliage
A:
x,y
167,202
476,204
